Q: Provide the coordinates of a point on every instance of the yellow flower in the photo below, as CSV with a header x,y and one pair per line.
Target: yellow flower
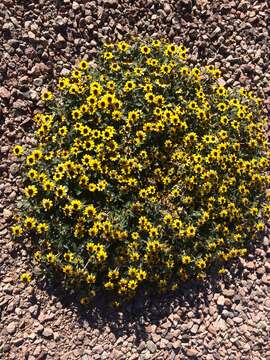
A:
x,y
26,277
63,83
101,256
46,95
30,191
18,150
17,230
123,46
113,274
67,269
115,67
132,284
90,211
47,204
260,226
76,114
51,258
201,264
109,285
156,43
42,228
76,74
108,55
165,69
184,71
29,223
83,65
62,131
186,259
92,187
129,85
150,97
75,205
91,278
145,50
141,275
32,174
84,300
190,231
30,160
222,107
37,256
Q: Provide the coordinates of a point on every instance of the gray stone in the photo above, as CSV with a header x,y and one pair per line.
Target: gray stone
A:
x,y
11,328
151,346
4,93
111,3
191,352
75,6
34,310
47,333
220,300
7,214
228,293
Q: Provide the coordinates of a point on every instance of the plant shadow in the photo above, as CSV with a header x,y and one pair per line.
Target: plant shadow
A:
x,y
136,317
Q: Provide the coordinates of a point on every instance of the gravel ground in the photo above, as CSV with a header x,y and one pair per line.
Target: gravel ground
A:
x,y
225,320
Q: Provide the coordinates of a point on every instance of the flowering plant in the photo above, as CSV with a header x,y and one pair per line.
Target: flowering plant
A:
x,y
147,171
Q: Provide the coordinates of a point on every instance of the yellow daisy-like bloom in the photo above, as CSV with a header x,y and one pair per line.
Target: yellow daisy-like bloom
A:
x,y
186,259
47,204
129,85
30,160
77,74
18,150
185,71
123,46
101,256
190,231
37,256
30,191
42,228
67,269
83,65
145,50
108,55
84,300
61,191
76,205
260,226
109,285
51,258
91,278
138,71
62,131
150,97
165,69
26,278
29,223
32,174
222,107
115,67
156,43
63,83
46,95
17,230
76,114
90,211
132,284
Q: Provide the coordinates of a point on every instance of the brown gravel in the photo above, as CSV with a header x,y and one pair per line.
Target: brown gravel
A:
x,y
224,320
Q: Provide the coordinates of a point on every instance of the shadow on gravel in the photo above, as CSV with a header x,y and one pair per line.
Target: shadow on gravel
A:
x,y
136,317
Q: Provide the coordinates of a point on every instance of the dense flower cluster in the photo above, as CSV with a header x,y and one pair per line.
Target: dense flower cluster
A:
x,y
147,171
